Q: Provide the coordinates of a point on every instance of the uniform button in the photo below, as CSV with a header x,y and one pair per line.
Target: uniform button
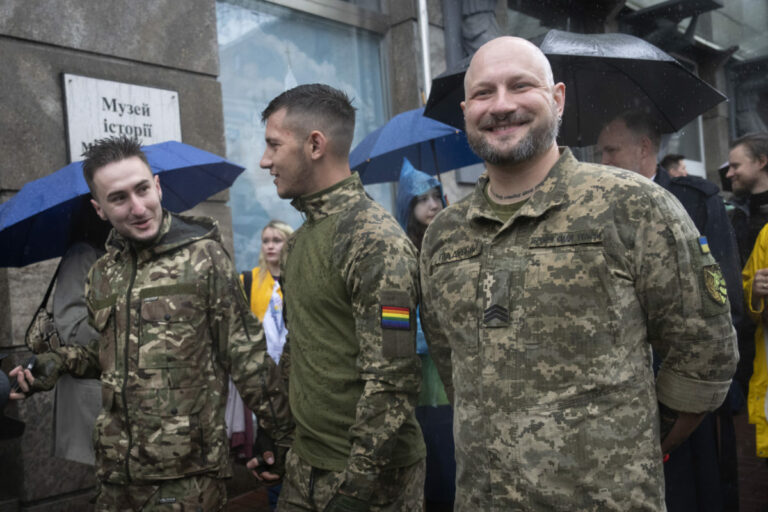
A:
x,y
167,317
174,411
135,320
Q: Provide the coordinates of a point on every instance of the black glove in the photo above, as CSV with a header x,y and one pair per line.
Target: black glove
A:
x,y
264,443
344,503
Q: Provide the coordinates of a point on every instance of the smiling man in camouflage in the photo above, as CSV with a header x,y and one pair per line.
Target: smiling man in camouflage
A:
x,y
542,294
172,322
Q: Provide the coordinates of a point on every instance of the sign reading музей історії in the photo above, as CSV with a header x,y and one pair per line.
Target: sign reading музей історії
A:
x,y
101,108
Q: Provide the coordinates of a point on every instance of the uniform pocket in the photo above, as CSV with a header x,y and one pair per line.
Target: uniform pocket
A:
x,y
104,323
168,437
110,438
570,314
170,331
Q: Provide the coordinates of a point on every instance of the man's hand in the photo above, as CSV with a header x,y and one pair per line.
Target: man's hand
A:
x,y
260,465
24,380
759,287
676,426
344,503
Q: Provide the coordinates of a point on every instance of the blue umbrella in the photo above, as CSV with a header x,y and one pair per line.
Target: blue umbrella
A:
x,y
429,145
36,224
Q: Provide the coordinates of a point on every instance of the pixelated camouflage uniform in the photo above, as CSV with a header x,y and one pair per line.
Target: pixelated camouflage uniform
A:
x,y
353,382
548,321
173,321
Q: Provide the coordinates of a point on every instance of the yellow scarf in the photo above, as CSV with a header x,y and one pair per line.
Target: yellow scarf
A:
x,y
261,293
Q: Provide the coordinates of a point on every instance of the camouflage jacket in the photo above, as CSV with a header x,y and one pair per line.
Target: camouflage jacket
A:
x,y
350,284
173,321
548,321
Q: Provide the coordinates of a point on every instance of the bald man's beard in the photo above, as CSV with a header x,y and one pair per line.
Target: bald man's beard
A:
x,y
538,139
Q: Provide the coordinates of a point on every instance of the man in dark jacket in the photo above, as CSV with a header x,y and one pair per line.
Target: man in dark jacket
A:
x,y
748,173
699,474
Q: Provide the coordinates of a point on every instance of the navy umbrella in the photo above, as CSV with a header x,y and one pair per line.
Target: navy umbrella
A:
x,y
604,75
429,145
36,224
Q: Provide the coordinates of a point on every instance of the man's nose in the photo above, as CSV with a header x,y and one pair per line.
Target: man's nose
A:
x,y
729,174
265,162
137,205
503,103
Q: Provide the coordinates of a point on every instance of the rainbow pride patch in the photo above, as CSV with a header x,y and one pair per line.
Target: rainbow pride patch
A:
x,y
395,317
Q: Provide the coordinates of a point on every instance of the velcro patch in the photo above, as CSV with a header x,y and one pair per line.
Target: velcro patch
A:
x,y
396,317
715,284
704,245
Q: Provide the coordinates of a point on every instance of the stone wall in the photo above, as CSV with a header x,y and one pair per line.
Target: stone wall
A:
x,y
156,43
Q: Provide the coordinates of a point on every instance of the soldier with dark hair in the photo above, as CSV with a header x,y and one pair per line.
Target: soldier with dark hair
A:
x,y
172,321
543,293
350,284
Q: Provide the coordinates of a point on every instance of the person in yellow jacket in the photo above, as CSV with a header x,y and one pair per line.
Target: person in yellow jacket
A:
x,y
755,281
263,286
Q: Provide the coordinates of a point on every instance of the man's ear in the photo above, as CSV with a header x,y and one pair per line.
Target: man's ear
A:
x,y
159,189
99,211
558,94
317,144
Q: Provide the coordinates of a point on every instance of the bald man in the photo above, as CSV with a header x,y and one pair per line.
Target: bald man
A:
x,y
543,293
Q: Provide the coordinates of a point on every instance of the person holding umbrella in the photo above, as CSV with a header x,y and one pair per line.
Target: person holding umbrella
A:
x,y
172,321
543,293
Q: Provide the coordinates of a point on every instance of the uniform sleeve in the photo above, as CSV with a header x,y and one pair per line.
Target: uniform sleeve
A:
x,y
684,295
242,348
757,260
380,270
437,338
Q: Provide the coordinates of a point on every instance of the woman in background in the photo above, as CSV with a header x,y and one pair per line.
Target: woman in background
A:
x,y
419,199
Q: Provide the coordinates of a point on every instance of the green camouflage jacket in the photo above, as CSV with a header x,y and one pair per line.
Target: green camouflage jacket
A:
x,y
173,322
350,284
542,329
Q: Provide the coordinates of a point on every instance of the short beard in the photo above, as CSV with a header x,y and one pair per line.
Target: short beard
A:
x,y
535,142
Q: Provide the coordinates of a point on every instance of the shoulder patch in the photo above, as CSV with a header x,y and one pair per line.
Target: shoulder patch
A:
x,y
715,284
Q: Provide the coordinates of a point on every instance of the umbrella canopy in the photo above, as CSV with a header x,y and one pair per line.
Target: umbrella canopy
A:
x,y
604,75
428,144
36,224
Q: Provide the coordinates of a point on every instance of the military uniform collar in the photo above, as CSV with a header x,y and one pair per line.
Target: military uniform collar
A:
x,y
331,200
175,230
550,193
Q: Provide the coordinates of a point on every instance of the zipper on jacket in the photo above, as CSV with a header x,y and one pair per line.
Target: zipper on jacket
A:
x,y
125,361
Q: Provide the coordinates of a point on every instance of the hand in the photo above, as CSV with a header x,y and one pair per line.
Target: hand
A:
x,y
760,283
24,380
344,503
263,461
676,426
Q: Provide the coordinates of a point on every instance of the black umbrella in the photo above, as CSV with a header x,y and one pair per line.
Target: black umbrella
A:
x,y
605,75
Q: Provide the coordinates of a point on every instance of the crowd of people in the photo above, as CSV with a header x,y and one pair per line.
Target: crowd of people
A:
x,y
564,338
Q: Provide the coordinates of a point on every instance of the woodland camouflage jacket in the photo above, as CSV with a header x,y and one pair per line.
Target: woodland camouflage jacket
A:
x,y
173,321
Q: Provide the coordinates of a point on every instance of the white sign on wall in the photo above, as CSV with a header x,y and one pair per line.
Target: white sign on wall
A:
x,y
101,108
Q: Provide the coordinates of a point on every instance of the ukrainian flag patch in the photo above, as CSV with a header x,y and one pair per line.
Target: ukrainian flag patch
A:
x,y
395,317
704,245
